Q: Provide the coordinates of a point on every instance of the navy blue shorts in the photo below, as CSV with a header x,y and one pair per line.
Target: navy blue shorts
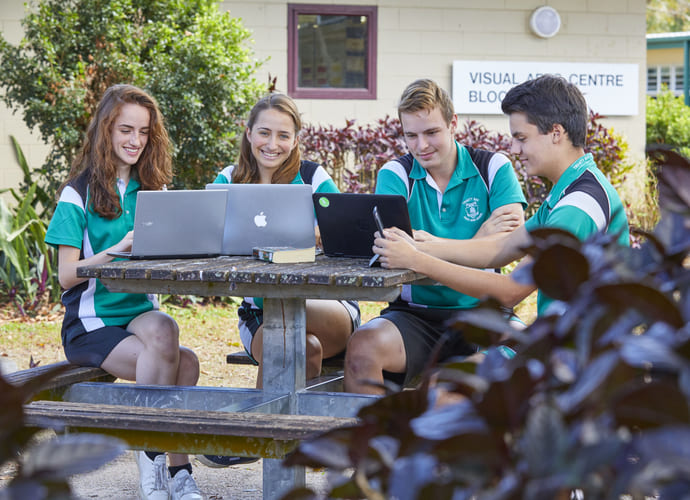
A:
x,y
82,347
91,348
421,330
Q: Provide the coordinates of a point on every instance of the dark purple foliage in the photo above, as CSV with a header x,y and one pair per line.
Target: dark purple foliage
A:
x,y
596,399
353,154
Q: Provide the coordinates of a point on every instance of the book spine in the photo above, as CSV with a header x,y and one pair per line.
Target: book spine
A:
x,y
265,255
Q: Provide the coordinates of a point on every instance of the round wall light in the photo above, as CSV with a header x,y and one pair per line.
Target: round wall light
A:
x,y
545,21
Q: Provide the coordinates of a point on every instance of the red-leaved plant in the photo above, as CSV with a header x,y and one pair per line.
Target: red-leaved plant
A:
x,y
352,155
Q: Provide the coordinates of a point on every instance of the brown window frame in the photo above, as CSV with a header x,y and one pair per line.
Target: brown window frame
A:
x,y
294,90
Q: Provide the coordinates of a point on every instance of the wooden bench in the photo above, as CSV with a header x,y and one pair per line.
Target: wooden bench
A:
x,y
331,378
241,358
186,431
54,388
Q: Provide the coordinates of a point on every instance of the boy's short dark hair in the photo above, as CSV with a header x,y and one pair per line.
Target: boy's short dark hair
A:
x,y
547,100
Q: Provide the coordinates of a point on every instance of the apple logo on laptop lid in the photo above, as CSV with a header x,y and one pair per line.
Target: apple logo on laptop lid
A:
x,y
260,220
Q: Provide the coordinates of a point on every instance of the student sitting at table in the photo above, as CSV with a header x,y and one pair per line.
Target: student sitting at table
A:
x,y
548,121
269,154
452,191
126,149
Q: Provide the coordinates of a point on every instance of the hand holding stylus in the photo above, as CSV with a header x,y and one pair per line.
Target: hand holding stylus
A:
x,y
393,247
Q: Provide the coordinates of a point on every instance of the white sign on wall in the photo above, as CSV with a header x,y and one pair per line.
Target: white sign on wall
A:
x,y
479,86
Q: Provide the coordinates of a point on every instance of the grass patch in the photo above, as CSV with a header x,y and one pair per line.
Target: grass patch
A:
x,y
210,330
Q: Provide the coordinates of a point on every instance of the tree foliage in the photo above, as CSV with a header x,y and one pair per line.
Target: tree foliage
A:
x,y
193,59
668,121
668,16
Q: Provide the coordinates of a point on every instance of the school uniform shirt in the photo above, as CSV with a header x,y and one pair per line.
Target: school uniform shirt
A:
x,y
456,213
74,225
320,182
582,202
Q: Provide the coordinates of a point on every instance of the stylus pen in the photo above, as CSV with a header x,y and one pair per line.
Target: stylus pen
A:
x,y
379,226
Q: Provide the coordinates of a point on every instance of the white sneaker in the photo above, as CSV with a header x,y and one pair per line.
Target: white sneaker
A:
x,y
183,487
153,477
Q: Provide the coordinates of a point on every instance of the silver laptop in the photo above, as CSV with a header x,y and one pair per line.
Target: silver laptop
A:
x,y
259,215
177,224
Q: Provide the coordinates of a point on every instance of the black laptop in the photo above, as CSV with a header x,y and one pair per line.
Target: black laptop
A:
x,y
347,225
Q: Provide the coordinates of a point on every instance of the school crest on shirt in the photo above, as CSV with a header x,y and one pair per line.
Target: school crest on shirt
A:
x,y
471,209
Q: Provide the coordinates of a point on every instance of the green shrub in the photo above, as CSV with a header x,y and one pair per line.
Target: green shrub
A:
x,y
41,201
28,275
191,57
28,267
44,467
668,121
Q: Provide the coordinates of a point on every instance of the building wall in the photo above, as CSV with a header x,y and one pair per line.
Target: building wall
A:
x,y
415,41
418,41
11,13
665,57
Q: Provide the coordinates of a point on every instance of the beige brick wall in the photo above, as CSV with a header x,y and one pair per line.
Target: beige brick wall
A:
x,y
11,13
415,42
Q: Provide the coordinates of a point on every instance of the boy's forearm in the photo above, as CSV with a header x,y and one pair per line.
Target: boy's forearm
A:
x,y
478,253
473,282
496,250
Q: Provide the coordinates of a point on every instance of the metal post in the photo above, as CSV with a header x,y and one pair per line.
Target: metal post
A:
x,y
284,361
284,356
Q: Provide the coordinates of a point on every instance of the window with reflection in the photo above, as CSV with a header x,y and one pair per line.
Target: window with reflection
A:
x,y
331,51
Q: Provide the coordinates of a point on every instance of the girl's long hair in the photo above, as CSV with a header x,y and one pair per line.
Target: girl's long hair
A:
x,y
247,170
96,159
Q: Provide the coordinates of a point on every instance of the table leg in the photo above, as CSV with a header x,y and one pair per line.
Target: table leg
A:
x,y
284,360
284,356
278,480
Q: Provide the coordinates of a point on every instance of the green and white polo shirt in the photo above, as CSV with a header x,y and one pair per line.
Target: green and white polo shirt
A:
x,y
481,183
582,202
73,225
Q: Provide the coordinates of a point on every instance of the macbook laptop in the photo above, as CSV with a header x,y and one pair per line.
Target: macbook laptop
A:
x,y
347,225
263,215
177,224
